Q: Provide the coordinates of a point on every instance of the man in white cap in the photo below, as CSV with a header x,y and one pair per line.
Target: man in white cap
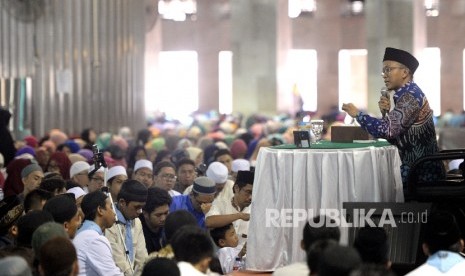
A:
x,y
236,210
78,193
199,201
218,172
116,176
79,174
143,172
96,179
239,165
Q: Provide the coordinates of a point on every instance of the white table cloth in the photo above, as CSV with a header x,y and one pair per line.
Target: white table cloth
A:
x,y
313,179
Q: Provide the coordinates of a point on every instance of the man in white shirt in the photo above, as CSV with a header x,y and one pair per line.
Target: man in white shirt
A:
x,y
442,244
93,248
235,210
79,173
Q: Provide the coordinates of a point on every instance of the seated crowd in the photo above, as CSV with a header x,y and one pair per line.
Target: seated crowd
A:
x,y
168,204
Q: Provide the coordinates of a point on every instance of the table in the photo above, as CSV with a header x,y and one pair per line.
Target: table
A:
x,y
322,177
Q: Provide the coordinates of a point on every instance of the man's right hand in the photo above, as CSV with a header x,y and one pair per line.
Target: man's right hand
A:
x,y
384,104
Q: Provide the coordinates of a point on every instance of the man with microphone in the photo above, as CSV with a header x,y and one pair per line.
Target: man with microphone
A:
x,y
409,125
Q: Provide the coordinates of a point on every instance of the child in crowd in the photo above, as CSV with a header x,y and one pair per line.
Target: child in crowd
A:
x,y
226,239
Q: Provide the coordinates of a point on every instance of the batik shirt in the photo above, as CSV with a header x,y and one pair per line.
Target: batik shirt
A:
x,y
410,127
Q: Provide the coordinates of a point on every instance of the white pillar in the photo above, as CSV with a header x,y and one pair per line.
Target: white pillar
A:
x,y
395,23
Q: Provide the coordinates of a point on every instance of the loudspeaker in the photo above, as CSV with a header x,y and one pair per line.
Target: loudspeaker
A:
x,y
403,223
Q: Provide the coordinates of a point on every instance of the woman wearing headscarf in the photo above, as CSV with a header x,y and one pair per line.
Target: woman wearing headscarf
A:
x,y
42,157
59,163
104,140
137,153
13,183
89,136
195,154
58,137
7,145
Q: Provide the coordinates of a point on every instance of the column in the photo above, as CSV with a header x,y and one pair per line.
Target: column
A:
x,y
260,38
396,23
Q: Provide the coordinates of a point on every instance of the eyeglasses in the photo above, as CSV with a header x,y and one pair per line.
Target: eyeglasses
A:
x,y
387,70
169,176
145,175
97,179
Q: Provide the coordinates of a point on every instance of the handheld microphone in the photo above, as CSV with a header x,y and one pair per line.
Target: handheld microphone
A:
x,y
384,93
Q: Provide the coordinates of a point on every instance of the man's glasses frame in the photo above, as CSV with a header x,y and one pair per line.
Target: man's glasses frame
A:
x,y
388,69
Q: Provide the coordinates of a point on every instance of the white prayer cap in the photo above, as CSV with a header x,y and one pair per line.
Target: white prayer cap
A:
x,y
78,167
92,167
221,145
143,164
217,172
25,156
204,185
116,170
77,191
240,165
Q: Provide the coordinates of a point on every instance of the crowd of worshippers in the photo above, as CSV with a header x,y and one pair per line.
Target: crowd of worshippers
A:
x,y
160,204
114,217
53,241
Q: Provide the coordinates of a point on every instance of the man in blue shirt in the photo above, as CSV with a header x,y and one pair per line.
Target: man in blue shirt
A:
x,y
93,248
409,125
198,201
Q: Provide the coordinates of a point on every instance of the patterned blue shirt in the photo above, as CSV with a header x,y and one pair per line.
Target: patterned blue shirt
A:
x,y
410,127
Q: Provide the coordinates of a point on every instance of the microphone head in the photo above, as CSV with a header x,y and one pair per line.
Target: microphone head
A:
x,y
385,92
105,189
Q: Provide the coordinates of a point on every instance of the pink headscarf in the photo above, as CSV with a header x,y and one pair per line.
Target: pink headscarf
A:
x,y
31,141
238,149
63,163
14,183
120,142
58,137
50,146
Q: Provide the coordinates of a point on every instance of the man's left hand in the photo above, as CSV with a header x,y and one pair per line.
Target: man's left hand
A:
x,y
205,207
